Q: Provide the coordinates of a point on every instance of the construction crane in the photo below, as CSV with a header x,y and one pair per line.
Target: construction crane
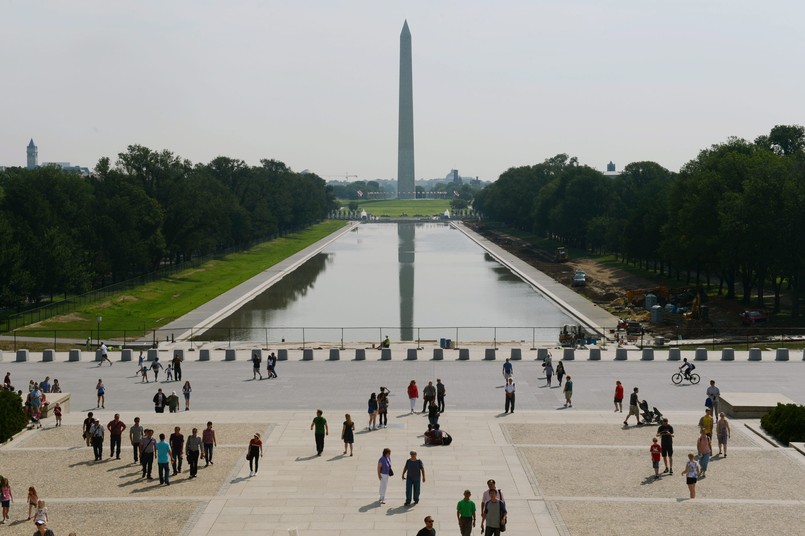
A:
x,y
346,176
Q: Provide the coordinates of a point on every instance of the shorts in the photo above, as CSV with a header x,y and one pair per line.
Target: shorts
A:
x,y
5,504
618,400
692,480
668,450
655,464
634,410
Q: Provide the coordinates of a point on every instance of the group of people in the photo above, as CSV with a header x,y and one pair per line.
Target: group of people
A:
x,y
271,365
35,402
378,409
173,372
37,510
662,445
171,401
494,514
432,395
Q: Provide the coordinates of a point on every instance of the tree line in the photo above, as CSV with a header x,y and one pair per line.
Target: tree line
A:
x,y
735,212
62,233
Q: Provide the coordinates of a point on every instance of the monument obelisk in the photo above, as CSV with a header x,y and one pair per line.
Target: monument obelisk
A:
x,y
405,140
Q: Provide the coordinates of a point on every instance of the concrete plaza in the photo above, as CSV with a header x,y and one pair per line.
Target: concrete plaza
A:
x,y
562,471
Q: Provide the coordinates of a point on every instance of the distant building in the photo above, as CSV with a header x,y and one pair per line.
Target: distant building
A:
x,y
68,167
453,177
611,172
33,155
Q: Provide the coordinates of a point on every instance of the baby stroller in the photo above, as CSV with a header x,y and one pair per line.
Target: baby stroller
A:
x,y
649,415
35,417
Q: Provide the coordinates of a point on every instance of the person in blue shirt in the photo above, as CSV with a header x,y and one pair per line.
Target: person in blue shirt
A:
x,y
164,456
508,369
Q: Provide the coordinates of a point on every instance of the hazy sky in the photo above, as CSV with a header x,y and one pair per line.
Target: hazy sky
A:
x,y
314,83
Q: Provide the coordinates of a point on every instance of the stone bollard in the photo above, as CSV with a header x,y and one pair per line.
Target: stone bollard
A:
x,y
755,354
48,356
674,354
595,354
648,354
258,353
125,355
516,354
568,354
282,354
1,355
781,354
411,354
438,354
728,354
99,356
621,354
307,354
74,356
700,355
179,352
153,353
463,354
204,354
335,354
542,353
385,354
360,354
489,354
230,354
22,356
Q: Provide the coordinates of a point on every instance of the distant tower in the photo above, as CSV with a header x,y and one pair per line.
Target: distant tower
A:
x,y
33,155
611,167
405,143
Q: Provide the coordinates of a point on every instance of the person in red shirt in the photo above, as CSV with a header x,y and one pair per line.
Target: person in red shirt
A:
x,y
655,451
618,397
413,394
115,427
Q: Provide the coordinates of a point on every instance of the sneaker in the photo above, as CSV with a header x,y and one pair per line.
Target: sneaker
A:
x,y
639,424
665,470
625,423
251,473
656,477
671,471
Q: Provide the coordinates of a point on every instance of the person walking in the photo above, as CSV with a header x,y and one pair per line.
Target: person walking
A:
x,y
96,431
384,471
413,470
713,395
116,428
655,451
41,512
140,362
148,446
173,402
193,451
169,373
254,453
383,409
413,394
176,441
101,391
465,513
177,366
321,429
428,529
441,391
104,355
164,456
57,413
155,366
706,422
723,433
510,394
494,515
6,498
348,433
372,410
256,362
186,390
549,373
144,374
568,390
271,364
618,397
209,440
560,372
87,425
42,529
691,474
508,370
33,500
428,396
634,408
136,436
159,401
666,434
490,486
705,448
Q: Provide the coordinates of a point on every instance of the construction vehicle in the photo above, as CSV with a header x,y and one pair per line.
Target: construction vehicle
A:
x,y
573,335
560,255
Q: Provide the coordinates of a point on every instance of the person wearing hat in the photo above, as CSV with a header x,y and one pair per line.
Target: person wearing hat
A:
x,y
42,528
254,453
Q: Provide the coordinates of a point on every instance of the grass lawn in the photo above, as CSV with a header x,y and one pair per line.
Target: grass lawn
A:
x,y
155,304
404,207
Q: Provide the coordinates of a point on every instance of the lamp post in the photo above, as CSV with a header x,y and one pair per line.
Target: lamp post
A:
x,y
99,318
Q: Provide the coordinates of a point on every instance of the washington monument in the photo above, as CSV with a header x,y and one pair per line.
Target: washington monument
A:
x,y
405,141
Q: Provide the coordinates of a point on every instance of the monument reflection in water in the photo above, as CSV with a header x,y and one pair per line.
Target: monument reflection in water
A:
x,y
407,281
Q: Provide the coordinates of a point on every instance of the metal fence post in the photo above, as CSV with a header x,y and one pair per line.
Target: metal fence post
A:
x,y
533,338
303,338
342,338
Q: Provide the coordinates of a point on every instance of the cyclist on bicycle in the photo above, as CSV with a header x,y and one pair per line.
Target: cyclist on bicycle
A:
x,y
688,366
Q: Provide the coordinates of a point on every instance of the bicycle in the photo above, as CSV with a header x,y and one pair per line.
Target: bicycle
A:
x,y
678,377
